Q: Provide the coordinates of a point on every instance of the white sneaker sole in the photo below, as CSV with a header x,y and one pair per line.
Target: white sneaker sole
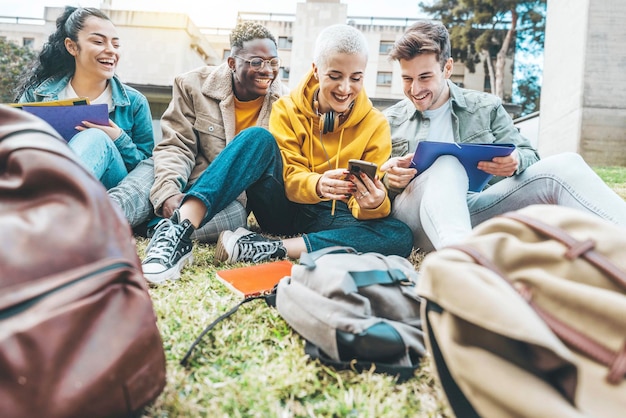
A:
x,y
173,273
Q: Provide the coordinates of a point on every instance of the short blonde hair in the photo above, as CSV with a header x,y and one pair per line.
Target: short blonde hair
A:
x,y
339,39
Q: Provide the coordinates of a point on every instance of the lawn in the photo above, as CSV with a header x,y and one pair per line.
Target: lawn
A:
x,y
253,364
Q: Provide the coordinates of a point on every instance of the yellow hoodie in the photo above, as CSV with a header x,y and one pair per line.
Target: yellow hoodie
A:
x,y
364,135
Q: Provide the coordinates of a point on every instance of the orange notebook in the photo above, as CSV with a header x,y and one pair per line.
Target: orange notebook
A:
x,y
255,280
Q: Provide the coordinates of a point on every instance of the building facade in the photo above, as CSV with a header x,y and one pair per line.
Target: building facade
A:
x,y
583,98
157,46
582,108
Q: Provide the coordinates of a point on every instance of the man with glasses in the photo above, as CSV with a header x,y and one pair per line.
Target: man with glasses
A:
x,y
208,127
257,64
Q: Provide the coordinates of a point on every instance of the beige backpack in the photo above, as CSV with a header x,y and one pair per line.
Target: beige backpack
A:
x,y
527,318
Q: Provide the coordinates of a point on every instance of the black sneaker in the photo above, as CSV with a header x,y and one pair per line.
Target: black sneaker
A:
x,y
169,250
244,245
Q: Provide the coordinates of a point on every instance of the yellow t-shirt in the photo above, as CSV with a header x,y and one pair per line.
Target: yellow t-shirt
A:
x,y
247,113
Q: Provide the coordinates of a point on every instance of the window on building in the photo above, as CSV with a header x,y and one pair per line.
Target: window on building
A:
x,y
284,42
284,73
384,47
28,42
487,84
383,78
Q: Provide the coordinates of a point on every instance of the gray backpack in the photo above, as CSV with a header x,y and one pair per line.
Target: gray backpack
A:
x,y
355,310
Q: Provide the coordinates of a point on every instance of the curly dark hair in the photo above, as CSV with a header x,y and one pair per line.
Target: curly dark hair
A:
x,y
54,60
247,31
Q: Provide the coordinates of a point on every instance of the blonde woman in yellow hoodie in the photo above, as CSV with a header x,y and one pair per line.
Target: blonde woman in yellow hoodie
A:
x,y
326,121
297,175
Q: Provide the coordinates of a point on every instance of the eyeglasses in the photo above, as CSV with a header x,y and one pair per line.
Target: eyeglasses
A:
x,y
258,63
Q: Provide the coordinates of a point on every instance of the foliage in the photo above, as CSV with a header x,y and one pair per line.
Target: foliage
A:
x,y
527,80
490,30
528,88
13,60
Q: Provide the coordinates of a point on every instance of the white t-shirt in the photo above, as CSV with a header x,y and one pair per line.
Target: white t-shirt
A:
x,y
106,97
440,121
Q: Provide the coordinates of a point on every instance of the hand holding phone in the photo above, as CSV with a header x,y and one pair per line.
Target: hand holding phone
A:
x,y
357,166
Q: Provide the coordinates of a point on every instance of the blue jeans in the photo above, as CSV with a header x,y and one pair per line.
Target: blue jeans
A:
x,y
100,156
132,194
440,211
251,162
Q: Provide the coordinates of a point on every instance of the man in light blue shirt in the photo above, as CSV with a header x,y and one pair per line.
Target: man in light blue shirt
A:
x,y
437,204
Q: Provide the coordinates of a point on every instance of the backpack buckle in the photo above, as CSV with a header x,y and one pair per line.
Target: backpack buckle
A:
x,y
400,277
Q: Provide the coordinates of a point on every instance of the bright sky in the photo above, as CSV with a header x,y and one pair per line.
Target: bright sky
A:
x,y
214,13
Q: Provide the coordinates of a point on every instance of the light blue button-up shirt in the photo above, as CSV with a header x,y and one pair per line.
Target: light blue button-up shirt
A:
x,y
477,117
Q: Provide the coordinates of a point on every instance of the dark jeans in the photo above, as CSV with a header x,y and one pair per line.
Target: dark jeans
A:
x,y
251,162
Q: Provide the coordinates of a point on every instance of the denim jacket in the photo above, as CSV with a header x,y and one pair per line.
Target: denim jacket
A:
x,y
476,117
131,112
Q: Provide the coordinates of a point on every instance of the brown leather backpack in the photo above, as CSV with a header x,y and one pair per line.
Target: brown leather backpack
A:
x,y
78,334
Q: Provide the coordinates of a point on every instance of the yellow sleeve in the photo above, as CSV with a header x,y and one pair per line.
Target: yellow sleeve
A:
x,y
293,135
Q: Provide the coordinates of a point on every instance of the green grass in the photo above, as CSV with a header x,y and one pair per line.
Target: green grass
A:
x,y
253,365
615,177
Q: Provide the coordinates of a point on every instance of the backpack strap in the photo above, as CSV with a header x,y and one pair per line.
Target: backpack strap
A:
x,y
308,259
459,403
383,277
575,248
614,361
268,298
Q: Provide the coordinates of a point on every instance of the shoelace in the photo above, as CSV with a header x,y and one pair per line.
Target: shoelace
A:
x,y
257,251
165,241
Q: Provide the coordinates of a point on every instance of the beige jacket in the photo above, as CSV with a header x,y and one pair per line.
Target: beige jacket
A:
x,y
198,123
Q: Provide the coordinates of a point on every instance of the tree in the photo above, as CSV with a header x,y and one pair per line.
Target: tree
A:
x,y
528,89
489,31
13,60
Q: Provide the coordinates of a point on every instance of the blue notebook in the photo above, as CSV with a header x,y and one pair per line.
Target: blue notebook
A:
x,y
468,154
64,119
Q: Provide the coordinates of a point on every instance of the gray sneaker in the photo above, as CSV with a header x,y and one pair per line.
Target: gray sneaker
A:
x,y
169,250
244,245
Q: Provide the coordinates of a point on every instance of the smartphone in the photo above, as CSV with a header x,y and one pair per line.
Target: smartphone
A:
x,y
357,166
